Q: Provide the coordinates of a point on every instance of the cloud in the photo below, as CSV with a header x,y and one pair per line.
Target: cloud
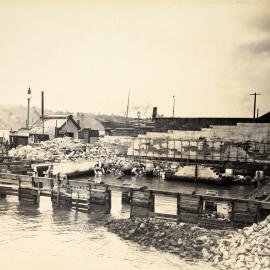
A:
x,y
262,23
258,47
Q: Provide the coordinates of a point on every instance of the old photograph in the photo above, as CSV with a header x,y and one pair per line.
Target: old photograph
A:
x,y
135,134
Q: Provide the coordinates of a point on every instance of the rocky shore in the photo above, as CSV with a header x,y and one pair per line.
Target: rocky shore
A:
x,y
248,248
186,240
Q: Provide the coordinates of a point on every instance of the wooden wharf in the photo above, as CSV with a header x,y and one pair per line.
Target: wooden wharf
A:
x,y
88,196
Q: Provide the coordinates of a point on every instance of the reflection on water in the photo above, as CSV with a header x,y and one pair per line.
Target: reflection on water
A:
x,y
47,238
237,191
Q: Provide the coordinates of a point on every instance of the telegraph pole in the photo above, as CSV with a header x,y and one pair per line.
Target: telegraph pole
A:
x,y
254,109
173,106
28,107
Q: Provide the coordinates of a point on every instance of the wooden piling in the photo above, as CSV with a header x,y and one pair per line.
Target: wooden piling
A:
x,y
58,190
99,197
142,203
61,198
28,194
125,197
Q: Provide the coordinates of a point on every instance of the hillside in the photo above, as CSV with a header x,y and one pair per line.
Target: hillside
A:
x,y
14,117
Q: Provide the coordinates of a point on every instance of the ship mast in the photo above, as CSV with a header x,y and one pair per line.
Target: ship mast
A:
x,y
127,108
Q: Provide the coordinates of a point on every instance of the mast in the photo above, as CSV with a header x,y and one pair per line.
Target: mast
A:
x,y
173,106
127,108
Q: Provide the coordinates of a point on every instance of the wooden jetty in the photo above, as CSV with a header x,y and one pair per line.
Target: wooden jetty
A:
x,y
88,196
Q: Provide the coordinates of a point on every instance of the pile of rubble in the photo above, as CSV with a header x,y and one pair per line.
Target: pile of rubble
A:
x,y
248,248
186,240
245,249
61,149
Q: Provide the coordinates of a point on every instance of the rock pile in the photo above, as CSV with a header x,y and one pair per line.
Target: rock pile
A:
x,y
248,248
62,149
186,240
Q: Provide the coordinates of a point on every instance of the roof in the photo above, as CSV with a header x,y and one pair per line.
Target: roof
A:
x,y
264,118
58,116
51,122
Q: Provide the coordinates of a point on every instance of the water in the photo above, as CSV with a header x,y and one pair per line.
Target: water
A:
x,y
234,191
44,238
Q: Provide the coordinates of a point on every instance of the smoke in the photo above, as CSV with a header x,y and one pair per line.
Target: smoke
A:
x,y
145,109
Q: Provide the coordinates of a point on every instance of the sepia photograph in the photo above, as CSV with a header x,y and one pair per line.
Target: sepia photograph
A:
x,y
135,134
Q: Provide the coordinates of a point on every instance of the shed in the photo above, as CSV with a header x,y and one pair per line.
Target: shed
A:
x,y
54,126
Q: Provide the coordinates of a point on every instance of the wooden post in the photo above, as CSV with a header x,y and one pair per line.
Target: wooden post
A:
x,y
153,155
188,150
77,201
178,208
133,147
220,150
89,198
232,213
108,199
174,149
58,190
125,197
19,186
152,202
197,150
181,149
196,172
229,151
131,203
258,217
167,150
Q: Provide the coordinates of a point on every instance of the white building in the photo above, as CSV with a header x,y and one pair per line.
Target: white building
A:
x,y
54,126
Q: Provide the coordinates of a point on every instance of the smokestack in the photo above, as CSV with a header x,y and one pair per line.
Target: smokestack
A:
x,y
42,111
154,114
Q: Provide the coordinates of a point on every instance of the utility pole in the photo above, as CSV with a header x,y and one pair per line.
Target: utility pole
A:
x,y
82,120
173,106
42,112
28,107
139,116
254,109
127,108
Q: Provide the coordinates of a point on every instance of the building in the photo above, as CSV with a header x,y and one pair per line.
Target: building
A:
x,y
264,118
54,126
88,135
20,137
163,124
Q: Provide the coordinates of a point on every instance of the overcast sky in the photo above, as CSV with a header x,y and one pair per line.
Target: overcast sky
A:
x,y
86,55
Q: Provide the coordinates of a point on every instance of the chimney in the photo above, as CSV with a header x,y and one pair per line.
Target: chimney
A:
x,y
154,114
42,111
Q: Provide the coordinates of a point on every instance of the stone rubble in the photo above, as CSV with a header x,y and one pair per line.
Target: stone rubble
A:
x,y
248,248
62,149
186,240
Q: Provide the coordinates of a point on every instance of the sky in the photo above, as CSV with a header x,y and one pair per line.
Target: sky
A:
x,y
87,55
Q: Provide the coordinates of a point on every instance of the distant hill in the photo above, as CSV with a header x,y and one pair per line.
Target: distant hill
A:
x,y
14,117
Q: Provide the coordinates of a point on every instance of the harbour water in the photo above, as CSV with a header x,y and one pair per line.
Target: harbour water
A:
x,y
47,238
